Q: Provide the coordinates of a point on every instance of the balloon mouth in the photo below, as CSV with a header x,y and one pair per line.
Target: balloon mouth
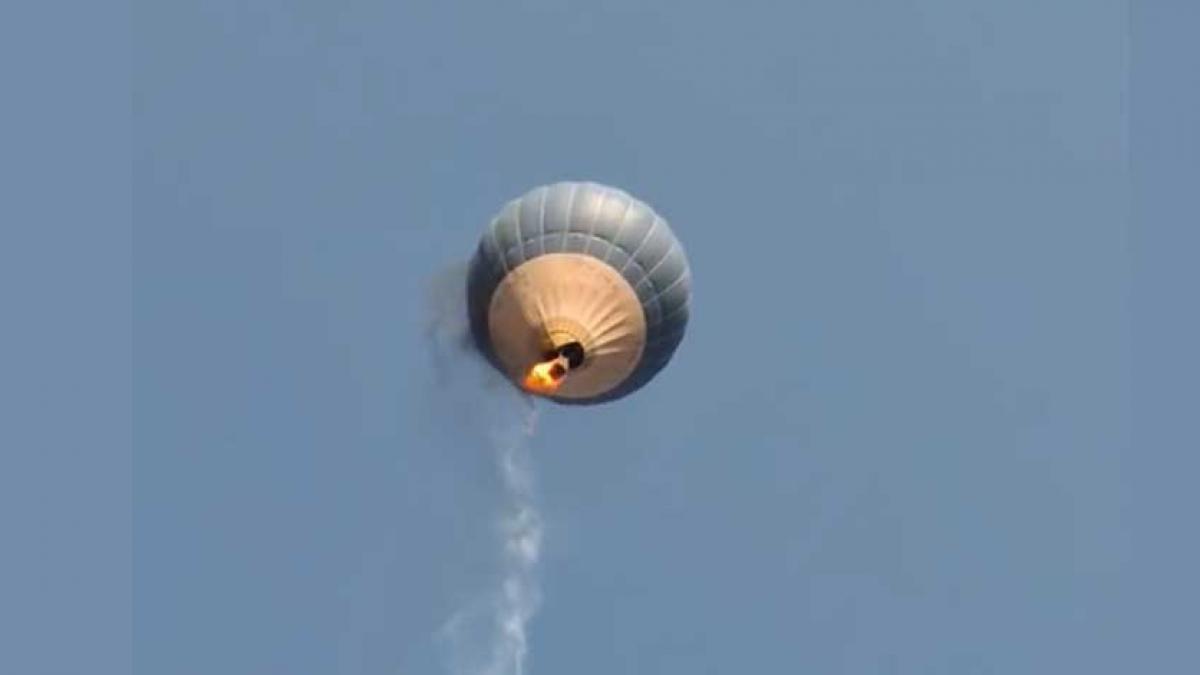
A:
x,y
545,377
573,353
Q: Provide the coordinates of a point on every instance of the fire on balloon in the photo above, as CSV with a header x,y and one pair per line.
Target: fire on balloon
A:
x,y
546,376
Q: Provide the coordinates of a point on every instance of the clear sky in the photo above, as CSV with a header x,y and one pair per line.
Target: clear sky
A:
x,y
895,440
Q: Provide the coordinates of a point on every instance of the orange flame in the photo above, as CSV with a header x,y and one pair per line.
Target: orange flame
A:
x,y
545,377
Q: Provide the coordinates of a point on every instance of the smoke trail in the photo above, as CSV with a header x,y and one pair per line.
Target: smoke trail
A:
x,y
490,636
522,529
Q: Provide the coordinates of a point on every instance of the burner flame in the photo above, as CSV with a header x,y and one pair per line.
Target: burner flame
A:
x,y
545,377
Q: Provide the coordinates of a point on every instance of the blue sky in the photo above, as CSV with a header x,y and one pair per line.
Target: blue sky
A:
x,y
893,440
907,431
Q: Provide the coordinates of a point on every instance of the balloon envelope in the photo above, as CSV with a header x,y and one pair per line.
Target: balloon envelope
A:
x,y
580,265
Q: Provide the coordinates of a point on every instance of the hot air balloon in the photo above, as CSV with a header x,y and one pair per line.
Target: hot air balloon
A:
x,y
578,292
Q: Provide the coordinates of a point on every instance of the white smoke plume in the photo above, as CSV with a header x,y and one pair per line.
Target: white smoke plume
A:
x,y
490,636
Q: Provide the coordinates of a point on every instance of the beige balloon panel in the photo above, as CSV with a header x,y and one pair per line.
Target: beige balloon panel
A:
x,y
560,298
